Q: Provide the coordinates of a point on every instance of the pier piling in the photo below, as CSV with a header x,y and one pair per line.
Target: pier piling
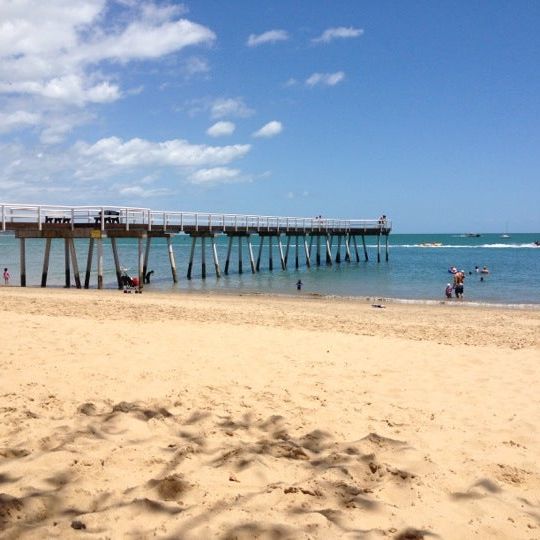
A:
x,y
116,264
46,255
171,259
74,263
89,263
66,261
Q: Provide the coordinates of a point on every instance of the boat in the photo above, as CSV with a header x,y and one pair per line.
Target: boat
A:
x,y
472,235
505,236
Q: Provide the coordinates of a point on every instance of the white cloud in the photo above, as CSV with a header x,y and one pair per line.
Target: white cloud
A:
x,y
271,129
196,66
272,36
18,119
70,89
220,129
65,53
140,40
222,107
216,175
340,32
116,153
141,192
327,79
102,169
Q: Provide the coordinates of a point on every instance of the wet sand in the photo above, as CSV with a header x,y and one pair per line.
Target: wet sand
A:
x,y
207,416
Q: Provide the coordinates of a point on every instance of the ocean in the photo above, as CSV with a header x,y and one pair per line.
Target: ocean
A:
x,y
415,272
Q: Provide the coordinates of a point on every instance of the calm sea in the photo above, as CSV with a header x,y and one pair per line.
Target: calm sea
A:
x,y
414,271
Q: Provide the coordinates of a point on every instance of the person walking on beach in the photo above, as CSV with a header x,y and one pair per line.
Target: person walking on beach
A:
x,y
6,276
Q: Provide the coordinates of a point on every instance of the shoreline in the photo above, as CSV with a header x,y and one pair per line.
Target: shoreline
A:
x,y
300,296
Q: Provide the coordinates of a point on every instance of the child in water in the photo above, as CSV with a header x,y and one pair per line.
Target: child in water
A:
x,y
448,290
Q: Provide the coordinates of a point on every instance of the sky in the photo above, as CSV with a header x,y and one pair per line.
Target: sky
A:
x,y
425,111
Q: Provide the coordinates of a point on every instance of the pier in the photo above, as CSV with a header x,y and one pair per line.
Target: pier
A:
x,y
316,240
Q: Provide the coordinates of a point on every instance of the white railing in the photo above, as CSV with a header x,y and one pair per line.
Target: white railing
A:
x,y
101,216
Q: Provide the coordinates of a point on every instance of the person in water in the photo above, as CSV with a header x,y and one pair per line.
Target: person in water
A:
x,y
448,290
299,285
484,270
459,278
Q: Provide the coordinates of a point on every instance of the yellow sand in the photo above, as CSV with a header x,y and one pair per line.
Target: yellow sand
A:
x,y
195,417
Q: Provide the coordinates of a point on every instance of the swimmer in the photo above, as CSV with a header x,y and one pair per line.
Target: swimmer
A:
x,y
448,290
484,270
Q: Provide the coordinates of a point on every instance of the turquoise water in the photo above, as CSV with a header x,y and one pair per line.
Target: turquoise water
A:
x,y
413,272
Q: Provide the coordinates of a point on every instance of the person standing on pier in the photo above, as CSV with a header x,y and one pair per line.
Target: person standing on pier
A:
x,y
6,276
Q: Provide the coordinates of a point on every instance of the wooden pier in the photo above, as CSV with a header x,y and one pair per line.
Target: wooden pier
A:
x,y
322,240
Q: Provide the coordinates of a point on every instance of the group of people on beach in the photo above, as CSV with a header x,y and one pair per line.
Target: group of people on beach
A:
x,y
457,285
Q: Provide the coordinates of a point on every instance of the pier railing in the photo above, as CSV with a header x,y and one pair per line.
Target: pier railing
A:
x,y
101,216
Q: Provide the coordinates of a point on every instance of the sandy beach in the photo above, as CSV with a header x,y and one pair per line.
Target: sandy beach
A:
x,y
234,417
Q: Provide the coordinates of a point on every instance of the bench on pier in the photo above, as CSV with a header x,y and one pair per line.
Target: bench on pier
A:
x,y
52,219
109,216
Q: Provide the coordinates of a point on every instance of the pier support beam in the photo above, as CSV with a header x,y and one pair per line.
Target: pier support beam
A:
x,y
66,261
328,250
378,248
146,256
74,263
22,255
308,252
270,261
116,263
250,250
45,270
347,248
287,247
365,248
386,248
318,250
281,258
239,254
191,254
296,261
356,249
216,260
203,257
171,259
227,261
89,263
338,252
140,269
261,239
100,263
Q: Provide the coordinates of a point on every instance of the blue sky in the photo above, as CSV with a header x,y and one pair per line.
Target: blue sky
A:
x,y
425,111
